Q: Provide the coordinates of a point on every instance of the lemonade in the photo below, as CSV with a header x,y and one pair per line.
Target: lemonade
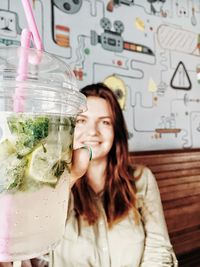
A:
x,y
34,153
39,101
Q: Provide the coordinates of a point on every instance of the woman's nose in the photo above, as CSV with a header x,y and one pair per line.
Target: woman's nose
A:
x,y
92,128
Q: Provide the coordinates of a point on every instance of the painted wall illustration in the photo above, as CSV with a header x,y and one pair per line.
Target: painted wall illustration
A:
x,y
147,51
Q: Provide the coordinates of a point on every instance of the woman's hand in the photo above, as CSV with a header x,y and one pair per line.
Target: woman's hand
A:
x,y
80,162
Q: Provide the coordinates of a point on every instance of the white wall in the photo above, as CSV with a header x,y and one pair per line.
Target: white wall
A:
x,y
151,52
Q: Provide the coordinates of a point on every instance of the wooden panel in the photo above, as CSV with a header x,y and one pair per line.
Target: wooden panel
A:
x,y
175,166
177,203
178,176
183,217
187,241
178,180
178,173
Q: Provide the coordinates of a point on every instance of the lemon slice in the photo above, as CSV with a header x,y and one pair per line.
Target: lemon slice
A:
x,y
6,149
41,164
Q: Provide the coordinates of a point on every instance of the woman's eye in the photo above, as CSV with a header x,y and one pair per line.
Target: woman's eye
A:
x,y
80,121
105,122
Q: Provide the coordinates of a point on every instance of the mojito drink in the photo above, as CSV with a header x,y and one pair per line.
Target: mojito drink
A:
x,y
34,153
39,101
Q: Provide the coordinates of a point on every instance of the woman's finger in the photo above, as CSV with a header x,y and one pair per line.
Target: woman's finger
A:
x,y
80,162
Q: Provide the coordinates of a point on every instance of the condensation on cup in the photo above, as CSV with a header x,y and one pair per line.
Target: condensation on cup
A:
x,y
38,109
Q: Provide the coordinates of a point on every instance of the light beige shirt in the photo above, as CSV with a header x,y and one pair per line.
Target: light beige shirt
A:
x,y
127,244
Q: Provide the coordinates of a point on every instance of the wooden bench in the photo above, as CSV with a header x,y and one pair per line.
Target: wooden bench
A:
x,y
178,176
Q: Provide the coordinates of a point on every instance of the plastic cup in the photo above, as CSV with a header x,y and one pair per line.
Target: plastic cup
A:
x,y
36,142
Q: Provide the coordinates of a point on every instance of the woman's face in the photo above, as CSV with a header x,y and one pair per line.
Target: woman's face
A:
x,y
94,128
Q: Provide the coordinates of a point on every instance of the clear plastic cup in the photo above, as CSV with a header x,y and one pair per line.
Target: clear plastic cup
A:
x,y
38,108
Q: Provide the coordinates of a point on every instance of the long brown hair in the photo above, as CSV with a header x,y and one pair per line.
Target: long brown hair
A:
x,y
119,190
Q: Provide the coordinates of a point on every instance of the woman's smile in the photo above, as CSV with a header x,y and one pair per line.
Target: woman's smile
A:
x,y
94,128
92,143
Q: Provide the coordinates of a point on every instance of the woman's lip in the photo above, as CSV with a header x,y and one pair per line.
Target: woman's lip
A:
x,y
90,143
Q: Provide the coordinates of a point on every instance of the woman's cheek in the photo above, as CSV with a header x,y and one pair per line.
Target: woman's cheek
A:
x,y
77,138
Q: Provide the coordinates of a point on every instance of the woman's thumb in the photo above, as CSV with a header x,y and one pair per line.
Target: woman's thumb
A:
x,y
80,162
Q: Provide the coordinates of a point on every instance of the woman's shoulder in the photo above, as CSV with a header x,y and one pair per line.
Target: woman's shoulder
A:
x,y
143,176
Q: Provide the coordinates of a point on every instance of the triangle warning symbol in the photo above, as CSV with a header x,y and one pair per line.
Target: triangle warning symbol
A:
x,y
180,79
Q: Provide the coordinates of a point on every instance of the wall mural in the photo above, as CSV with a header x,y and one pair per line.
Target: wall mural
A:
x,y
147,51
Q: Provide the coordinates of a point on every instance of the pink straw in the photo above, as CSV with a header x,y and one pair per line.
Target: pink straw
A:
x,y
19,97
19,104
19,101
32,24
5,222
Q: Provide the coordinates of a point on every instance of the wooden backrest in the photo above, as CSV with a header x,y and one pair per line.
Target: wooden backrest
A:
x,y
178,177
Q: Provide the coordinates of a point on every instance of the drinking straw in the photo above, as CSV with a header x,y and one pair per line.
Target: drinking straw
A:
x,y
18,106
32,24
5,221
25,38
19,96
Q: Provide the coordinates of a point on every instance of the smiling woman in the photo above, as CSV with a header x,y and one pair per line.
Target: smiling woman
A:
x,y
95,128
115,217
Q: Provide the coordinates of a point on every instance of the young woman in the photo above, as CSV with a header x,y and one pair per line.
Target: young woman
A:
x,y
115,216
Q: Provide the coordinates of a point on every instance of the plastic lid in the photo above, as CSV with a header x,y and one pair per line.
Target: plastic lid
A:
x,y
44,83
